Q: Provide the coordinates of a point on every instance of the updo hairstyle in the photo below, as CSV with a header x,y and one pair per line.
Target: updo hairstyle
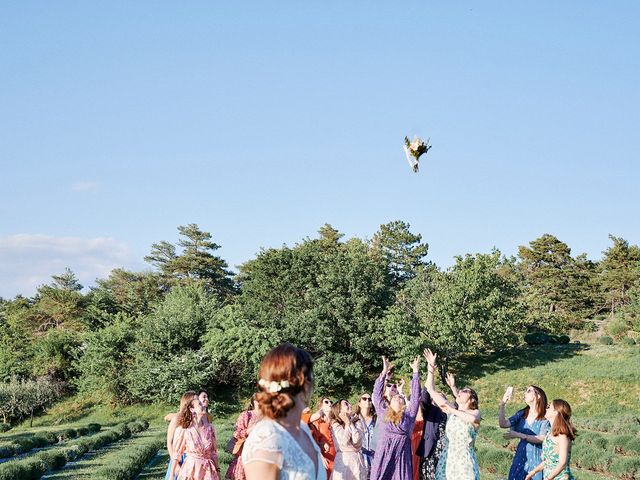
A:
x,y
284,372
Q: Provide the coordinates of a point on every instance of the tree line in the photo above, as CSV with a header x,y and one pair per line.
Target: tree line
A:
x,y
189,321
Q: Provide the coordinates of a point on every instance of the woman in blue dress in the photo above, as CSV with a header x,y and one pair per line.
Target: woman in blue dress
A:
x,y
530,426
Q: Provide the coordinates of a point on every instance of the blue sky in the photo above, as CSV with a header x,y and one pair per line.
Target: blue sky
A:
x,y
261,121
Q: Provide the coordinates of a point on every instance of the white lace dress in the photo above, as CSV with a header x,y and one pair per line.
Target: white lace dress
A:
x,y
269,442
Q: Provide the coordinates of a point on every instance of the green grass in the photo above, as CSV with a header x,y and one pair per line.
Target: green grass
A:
x,y
601,382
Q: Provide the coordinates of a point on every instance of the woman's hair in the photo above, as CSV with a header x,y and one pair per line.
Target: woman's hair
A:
x,y
473,398
251,400
562,423
392,416
284,372
357,410
185,417
334,415
541,406
320,402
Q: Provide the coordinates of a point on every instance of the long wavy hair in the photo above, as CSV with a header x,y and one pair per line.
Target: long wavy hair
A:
x,y
185,417
392,416
358,411
562,423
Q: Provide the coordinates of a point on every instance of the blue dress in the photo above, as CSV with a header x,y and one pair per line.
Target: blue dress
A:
x,y
180,462
528,455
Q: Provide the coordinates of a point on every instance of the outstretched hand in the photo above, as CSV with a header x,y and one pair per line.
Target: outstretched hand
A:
x,y
415,365
430,357
386,365
507,395
451,380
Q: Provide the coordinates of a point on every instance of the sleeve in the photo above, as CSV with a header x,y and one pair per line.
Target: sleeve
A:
x,y
178,443
412,409
377,395
263,445
425,401
242,424
515,419
356,435
214,443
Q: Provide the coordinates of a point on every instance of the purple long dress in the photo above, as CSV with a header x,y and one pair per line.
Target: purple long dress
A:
x,y
392,460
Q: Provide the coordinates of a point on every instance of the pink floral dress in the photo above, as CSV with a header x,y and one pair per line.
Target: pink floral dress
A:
x,y
245,421
202,453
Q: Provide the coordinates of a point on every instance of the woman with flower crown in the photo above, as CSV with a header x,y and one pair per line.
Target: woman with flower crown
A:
x,y
280,446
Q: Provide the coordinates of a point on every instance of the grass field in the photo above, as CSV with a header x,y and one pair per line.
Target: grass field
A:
x,y
602,383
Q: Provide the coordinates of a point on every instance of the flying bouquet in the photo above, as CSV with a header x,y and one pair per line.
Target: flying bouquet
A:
x,y
413,150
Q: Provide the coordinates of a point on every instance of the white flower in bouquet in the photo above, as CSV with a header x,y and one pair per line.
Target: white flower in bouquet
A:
x,y
414,149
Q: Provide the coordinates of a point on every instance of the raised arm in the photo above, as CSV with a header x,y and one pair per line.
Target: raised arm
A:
x,y
502,419
415,388
378,388
438,397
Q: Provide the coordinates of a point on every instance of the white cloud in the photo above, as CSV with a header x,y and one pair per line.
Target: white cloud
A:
x,y
84,186
29,260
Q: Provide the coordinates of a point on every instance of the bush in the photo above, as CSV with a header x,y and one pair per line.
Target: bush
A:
x,y
94,427
28,469
606,340
628,341
626,467
536,338
55,459
618,327
122,430
5,427
126,464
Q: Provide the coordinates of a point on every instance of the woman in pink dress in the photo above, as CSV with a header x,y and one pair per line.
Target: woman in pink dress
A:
x,y
197,437
244,424
347,439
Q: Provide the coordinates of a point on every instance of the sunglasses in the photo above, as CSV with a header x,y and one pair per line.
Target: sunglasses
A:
x,y
366,399
391,385
326,402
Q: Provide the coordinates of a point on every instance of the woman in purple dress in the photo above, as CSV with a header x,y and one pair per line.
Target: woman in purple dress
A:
x,y
392,460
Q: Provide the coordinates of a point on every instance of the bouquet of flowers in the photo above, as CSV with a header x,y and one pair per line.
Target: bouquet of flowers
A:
x,y
413,150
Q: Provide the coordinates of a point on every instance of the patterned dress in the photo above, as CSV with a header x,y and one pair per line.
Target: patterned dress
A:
x,y
245,421
202,452
528,455
269,442
348,464
429,464
551,458
392,460
458,460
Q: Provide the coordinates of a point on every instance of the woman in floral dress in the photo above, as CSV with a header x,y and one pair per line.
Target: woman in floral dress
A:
x,y
197,438
458,460
244,424
556,448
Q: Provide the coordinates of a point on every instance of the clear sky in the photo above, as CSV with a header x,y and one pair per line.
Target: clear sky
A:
x,y
261,121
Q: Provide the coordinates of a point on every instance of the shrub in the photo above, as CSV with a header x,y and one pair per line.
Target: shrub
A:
x,y
618,327
628,341
606,340
626,467
28,469
5,427
126,464
55,459
122,430
536,338
94,427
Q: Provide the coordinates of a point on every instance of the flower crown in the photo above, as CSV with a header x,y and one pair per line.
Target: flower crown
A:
x,y
273,387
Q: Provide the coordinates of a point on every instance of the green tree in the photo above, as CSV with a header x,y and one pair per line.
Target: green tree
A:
x,y
16,339
402,250
619,271
558,290
196,262
470,308
59,304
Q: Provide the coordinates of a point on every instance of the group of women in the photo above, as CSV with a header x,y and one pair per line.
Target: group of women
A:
x,y
386,436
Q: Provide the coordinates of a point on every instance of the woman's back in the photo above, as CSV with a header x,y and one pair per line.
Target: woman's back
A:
x,y
270,442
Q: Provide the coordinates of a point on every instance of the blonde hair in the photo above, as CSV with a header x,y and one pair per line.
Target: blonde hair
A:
x,y
392,416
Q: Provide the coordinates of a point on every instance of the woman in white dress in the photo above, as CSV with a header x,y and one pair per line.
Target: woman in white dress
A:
x,y
347,438
280,446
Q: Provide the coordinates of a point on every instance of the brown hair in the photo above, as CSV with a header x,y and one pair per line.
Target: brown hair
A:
x,y
334,415
356,409
392,416
562,424
250,404
185,417
541,404
473,398
285,363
